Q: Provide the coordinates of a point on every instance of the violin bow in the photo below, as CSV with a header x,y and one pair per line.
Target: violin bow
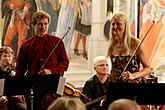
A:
x,y
44,63
54,49
137,48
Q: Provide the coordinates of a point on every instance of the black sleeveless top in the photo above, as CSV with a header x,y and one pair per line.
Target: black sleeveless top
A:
x,y
120,62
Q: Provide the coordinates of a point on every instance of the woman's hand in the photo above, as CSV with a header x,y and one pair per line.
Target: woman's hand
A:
x,y
127,75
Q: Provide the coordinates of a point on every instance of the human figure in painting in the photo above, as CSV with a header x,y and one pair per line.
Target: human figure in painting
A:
x,y
67,18
153,13
17,14
83,26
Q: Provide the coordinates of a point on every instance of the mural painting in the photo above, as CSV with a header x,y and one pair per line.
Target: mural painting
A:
x,y
153,12
16,24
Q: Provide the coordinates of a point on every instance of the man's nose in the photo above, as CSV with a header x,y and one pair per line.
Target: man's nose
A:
x,y
115,25
8,58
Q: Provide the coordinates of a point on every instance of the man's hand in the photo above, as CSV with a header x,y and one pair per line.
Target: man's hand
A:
x,y
3,99
13,73
44,71
76,92
23,14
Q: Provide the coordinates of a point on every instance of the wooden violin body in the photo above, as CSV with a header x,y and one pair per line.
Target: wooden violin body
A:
x,y
69,89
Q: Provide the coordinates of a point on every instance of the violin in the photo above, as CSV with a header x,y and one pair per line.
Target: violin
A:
x,y
19,98
70,90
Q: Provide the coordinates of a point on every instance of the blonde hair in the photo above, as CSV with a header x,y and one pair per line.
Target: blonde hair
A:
x,y
67,103
124,104
40,15
127,38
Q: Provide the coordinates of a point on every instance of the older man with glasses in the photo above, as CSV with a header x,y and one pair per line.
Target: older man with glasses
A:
x,y
96,87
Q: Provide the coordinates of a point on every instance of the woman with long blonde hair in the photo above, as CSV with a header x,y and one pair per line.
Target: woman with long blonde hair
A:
x,y
122,46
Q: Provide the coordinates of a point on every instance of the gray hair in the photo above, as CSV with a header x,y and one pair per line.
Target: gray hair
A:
x,y
97,59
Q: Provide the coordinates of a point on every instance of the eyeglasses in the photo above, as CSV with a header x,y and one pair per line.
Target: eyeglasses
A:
x,y
102,65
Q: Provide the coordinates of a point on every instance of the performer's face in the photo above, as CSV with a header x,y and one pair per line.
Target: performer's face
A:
x,y
6,59
118,27
102,67
41,28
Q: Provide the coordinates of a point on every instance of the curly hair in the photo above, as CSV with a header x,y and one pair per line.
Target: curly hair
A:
x,y
40,15
6,50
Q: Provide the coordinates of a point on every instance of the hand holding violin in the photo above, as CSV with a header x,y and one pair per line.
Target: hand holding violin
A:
x,y
76,93
70,90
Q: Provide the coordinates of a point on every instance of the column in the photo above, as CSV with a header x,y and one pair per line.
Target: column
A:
x,y
97,44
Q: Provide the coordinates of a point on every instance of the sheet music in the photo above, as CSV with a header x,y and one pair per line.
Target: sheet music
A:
x,y
61,85
2,83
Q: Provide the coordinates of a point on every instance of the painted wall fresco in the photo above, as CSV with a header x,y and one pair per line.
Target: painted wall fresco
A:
x,y
153,12
16,25
16,17
59,10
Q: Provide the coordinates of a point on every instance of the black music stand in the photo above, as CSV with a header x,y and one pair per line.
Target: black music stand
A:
x,y
34,86
145,93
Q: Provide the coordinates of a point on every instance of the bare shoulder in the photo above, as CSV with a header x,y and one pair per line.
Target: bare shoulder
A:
x,y
135,40
137,43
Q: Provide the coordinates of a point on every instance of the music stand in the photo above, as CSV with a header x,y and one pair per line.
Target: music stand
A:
x,y
145,93
34,86
2,84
